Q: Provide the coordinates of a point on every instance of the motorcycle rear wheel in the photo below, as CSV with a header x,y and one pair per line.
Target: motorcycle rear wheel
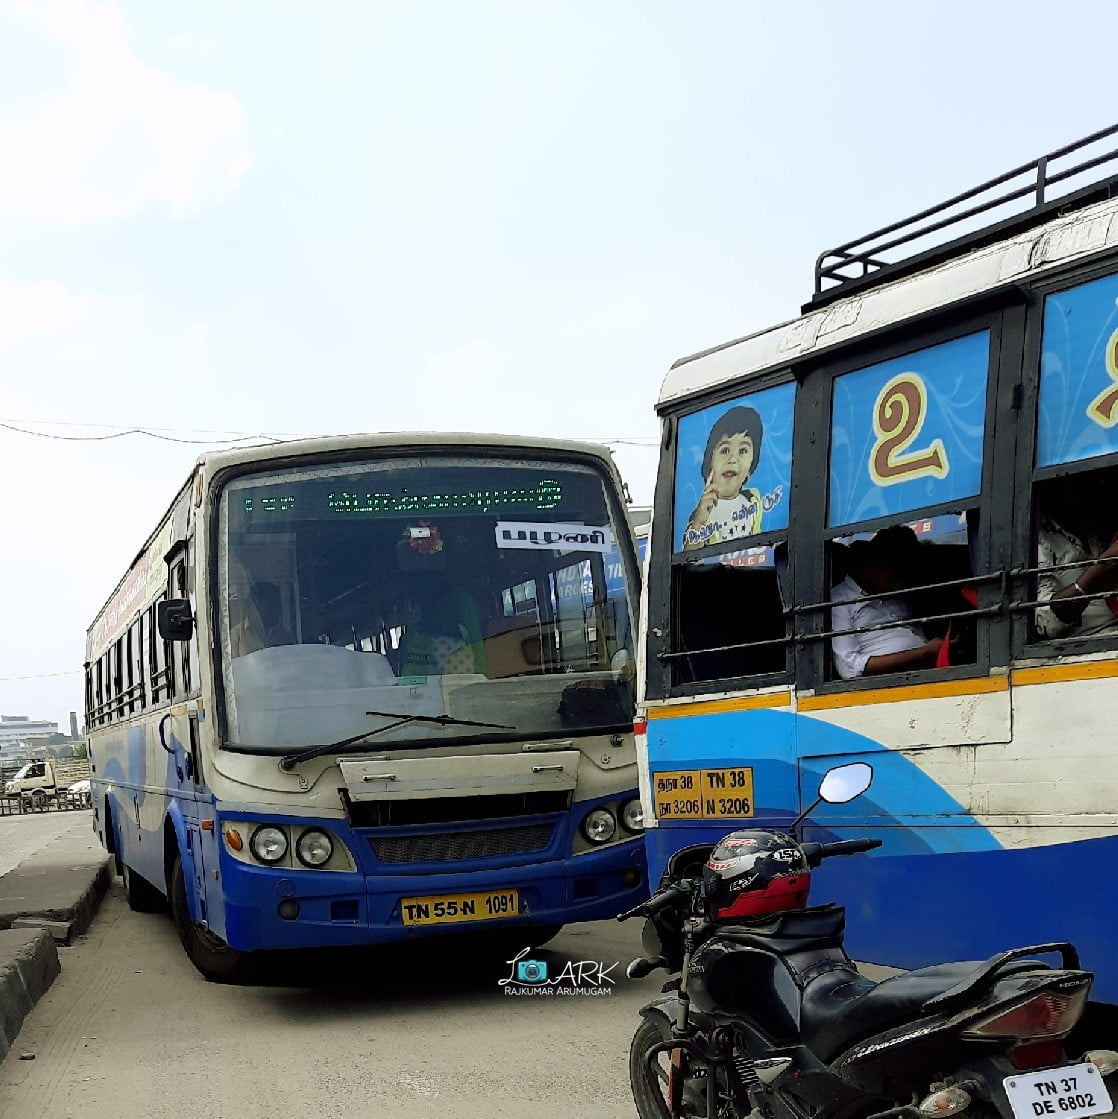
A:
x,y
651,1095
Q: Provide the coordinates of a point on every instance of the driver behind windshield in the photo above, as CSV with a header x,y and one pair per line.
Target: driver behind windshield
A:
x,y
443,633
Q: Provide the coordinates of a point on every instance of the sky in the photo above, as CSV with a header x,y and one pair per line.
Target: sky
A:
x,y
222,218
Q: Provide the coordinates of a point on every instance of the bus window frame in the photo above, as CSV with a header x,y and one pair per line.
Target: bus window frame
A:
x,y
1003,372
1023,646
662,555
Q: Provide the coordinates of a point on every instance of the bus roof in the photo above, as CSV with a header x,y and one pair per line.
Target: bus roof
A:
x,y
882,294
404,440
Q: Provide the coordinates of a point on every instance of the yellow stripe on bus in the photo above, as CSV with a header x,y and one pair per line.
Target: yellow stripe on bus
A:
x,y
1057,673
718,706
905,693
1019,677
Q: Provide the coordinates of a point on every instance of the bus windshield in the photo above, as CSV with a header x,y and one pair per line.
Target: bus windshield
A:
x,y
480,590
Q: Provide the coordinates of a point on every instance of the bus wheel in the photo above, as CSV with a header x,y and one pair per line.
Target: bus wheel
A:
x,y
208,952
143,897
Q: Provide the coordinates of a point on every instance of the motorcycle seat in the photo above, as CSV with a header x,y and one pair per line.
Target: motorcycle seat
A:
x,y
841,1007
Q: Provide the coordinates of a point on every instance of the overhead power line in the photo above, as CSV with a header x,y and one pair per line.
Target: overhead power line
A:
x,y
177,435
120,434
42,675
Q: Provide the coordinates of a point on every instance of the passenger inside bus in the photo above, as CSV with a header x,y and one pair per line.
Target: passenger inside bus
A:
x,y
1083,533
878,635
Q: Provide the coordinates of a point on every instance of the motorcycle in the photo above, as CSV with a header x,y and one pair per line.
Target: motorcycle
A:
x,y
767,1017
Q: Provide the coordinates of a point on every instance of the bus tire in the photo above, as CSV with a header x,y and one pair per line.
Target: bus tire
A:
x,y
206,951
143,897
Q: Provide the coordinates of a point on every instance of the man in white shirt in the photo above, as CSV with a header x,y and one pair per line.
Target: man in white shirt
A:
x,y
876,636
1068,612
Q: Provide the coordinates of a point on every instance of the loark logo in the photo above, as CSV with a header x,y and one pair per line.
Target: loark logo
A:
x,y
530,977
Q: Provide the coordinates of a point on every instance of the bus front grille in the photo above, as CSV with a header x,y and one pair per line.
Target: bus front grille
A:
x,y
393,812
462,845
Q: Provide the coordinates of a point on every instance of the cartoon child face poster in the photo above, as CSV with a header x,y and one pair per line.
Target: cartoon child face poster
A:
x,y
734,469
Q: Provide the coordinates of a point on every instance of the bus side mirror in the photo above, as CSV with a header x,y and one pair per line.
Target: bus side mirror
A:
x,y
175,621
845,782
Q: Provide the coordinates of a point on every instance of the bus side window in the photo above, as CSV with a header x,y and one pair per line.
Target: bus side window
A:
x,y
1075,539
89,695
118,678
98,693
899,604
157,659
729,619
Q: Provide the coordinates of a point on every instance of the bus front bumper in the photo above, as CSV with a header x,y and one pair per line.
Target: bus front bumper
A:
x,y
277,908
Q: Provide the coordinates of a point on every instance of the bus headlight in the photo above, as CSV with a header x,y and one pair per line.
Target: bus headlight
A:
x,y
314,847
632,816
599,825
268,844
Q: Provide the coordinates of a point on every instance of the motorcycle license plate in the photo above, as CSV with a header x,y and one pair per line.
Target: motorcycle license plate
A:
x,y
1072,1092
446,909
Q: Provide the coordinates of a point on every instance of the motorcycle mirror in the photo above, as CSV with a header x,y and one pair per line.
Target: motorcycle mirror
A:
x,y
845,782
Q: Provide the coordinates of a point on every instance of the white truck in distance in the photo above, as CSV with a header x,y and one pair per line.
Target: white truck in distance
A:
x,y
43,781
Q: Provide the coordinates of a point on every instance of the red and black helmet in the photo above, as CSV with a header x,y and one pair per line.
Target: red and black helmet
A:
x,y
755,873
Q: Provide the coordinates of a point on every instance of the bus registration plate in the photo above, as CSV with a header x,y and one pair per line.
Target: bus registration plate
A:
x,y
1075,1091
704,794
445,909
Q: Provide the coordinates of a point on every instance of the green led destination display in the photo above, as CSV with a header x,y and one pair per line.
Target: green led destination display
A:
x,y
269,504
544,495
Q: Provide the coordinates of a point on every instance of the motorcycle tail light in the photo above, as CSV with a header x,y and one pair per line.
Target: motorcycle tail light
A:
x,y
1105,1060
1037,1054
947,1101
1045,1015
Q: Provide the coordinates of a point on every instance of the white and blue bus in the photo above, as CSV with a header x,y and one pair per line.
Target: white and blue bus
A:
x,y
361,689
962,393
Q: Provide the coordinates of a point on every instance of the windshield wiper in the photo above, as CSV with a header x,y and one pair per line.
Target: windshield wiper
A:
x,y
289,762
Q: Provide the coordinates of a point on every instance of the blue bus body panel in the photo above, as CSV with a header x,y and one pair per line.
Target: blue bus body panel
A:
x,y
339,908
940,888
240,900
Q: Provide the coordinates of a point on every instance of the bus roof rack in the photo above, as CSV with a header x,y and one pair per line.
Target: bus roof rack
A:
x,y
870,260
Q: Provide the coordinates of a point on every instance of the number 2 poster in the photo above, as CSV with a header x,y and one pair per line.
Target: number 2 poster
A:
x,y
908,433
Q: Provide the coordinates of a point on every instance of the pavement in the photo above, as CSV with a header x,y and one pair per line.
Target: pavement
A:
x,y
47,898
53,875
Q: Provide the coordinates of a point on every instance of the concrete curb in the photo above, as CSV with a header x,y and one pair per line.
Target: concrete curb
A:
x,y
28,966
66,921
52,896
60,885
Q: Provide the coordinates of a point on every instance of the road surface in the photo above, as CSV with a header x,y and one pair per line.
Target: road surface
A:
x,y
131,1030
29,832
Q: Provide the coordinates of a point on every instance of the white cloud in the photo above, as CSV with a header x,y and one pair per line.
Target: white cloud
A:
x,y
117,135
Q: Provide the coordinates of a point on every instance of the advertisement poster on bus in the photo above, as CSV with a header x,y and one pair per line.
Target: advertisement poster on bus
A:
x,y
908,433
734,469
1078,408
